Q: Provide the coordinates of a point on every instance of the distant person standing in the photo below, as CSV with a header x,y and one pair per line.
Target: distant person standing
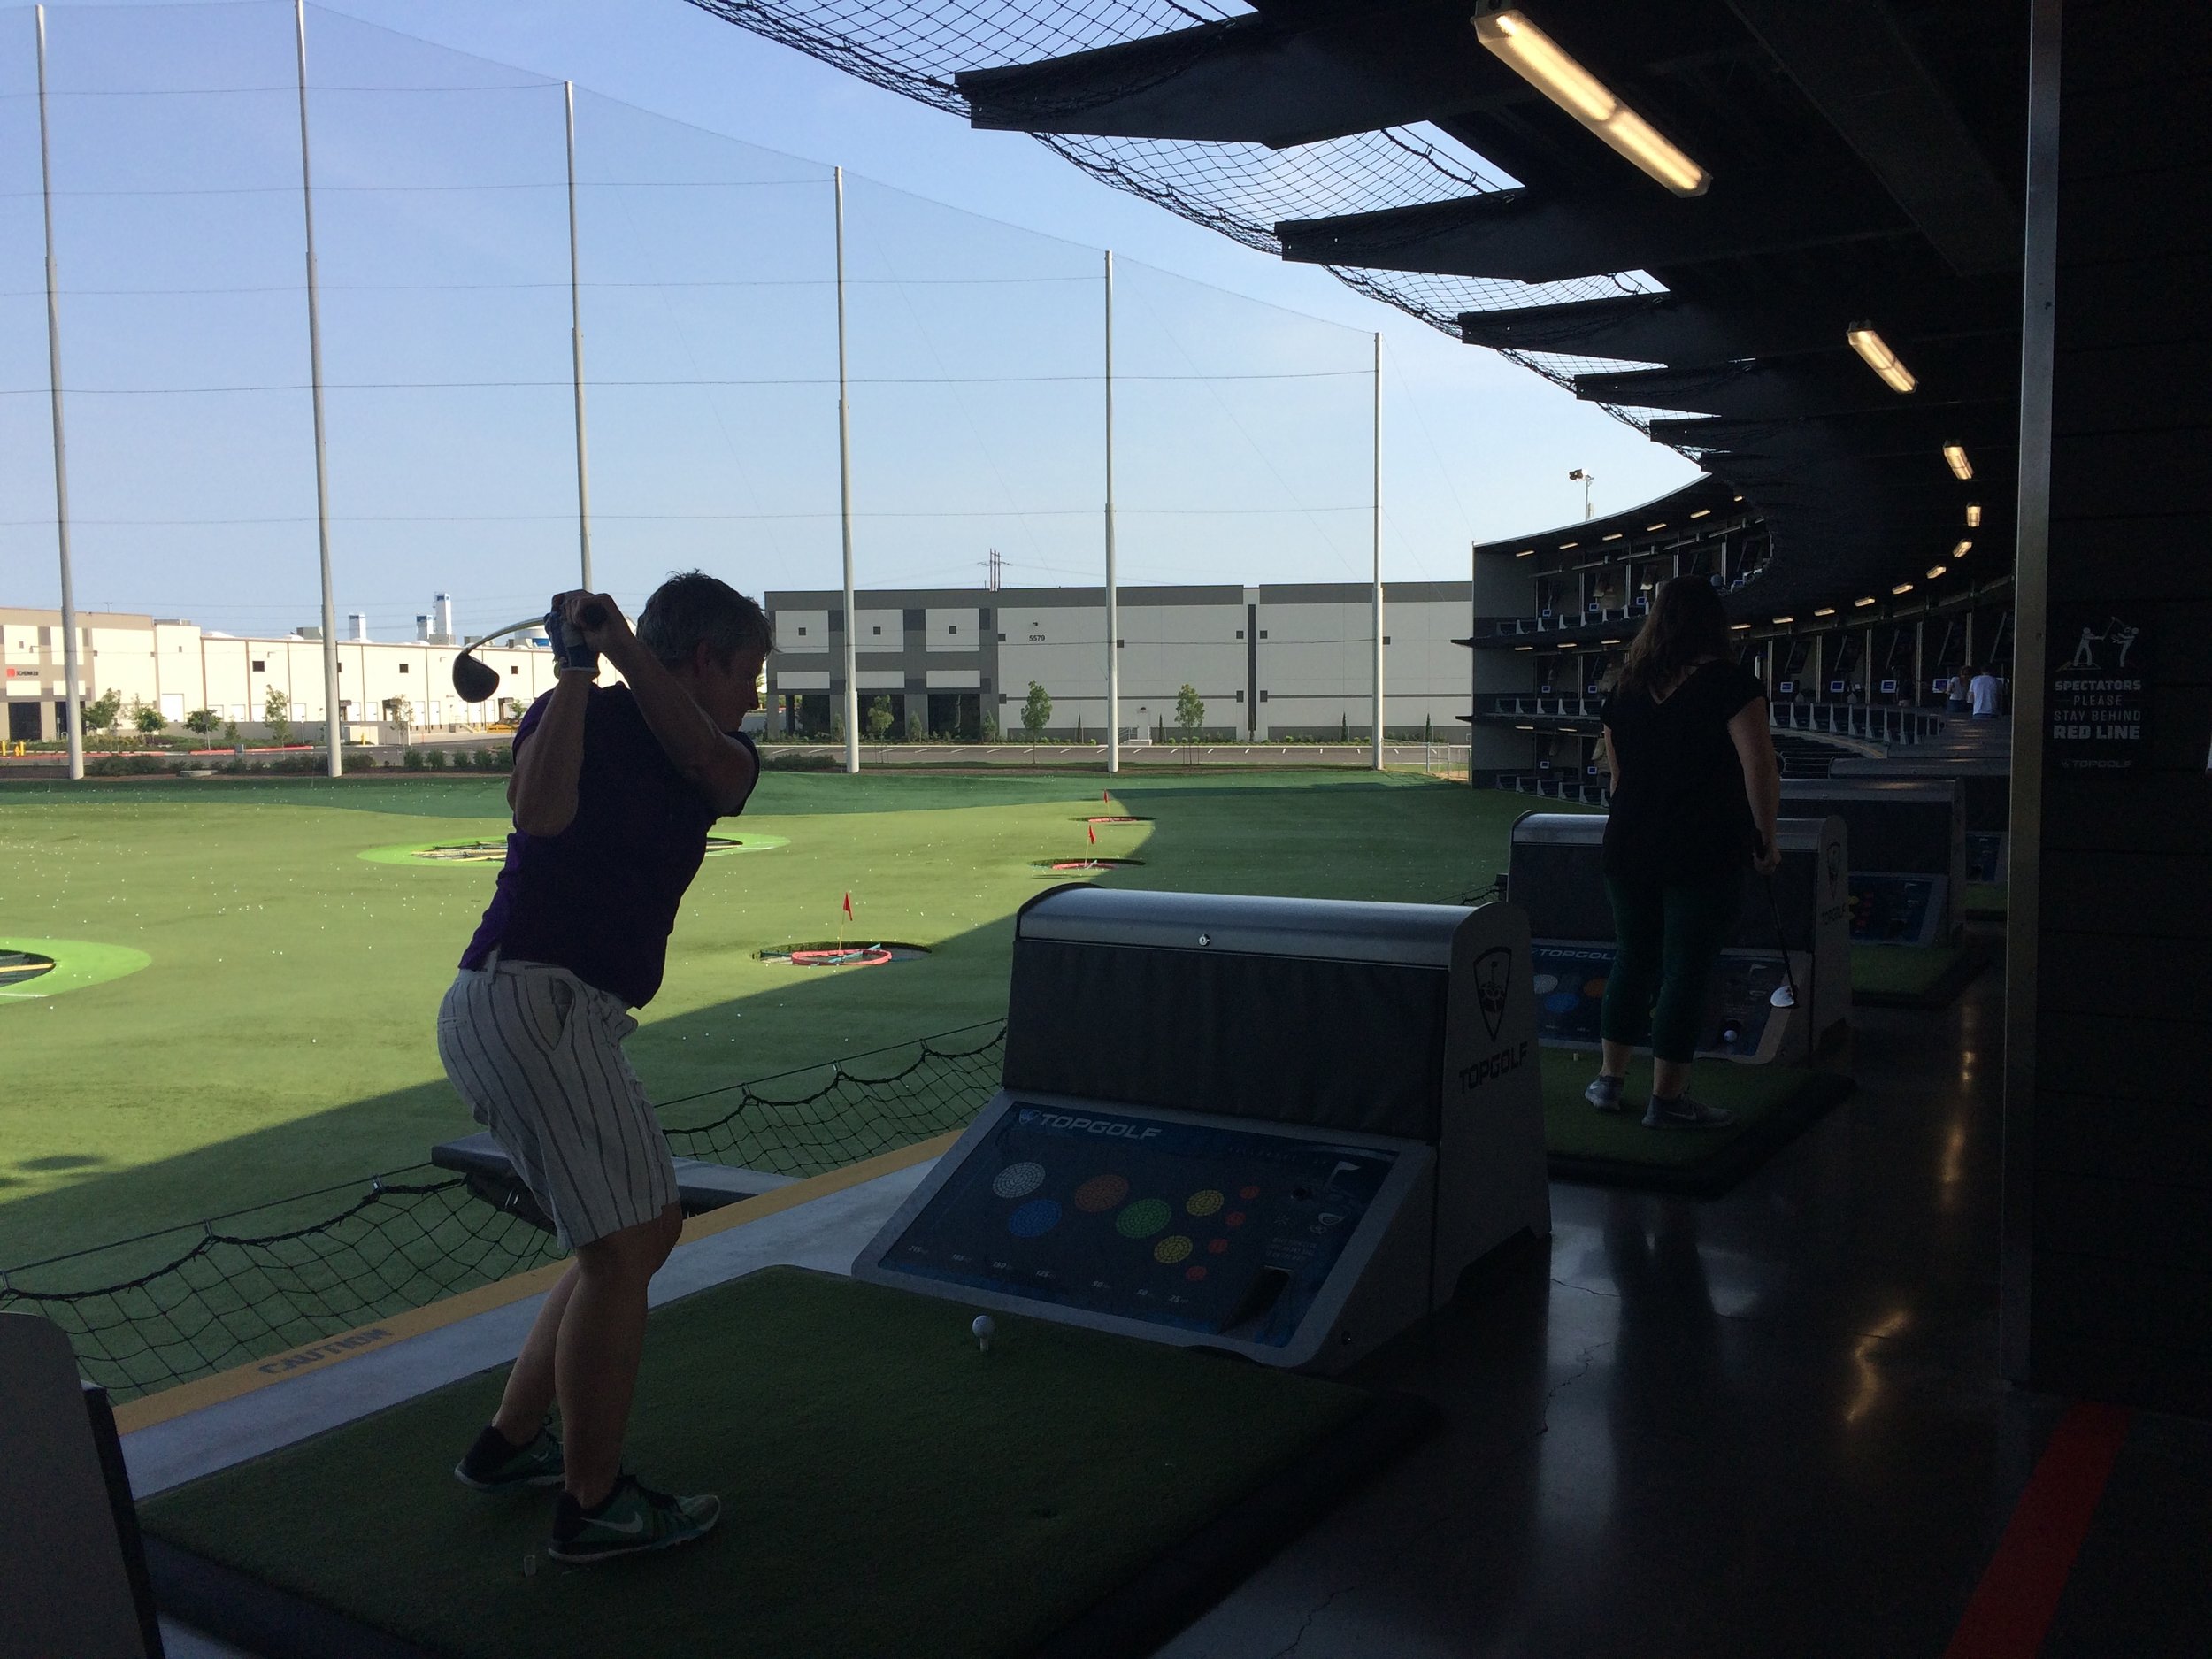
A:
x,y
1984,691
1696,790
1955,695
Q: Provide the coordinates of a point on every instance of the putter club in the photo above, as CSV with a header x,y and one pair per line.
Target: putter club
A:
x,y
1785,995
476,681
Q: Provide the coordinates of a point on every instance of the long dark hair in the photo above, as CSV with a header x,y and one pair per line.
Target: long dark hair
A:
x,y
1687,622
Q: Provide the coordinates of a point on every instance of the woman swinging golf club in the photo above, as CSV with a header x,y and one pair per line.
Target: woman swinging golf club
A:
x,y
1696,790
614,792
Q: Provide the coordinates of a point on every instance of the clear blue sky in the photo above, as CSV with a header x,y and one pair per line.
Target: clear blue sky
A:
x,y
1241,413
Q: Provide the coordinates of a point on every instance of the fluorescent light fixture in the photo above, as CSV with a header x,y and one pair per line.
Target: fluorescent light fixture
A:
x,y
1525,552
1935,571
1879,358
1655,527
1609,641
1962,550
1738,627
1538,59
1902,588
1616,536
1973,515
1735,498
1524,648
1564,545
1825,610
1702,512
1867,601
1524,728
1778,621
1955,454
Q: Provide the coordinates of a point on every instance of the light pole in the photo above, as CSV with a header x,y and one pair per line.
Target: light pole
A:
x,y
1586,478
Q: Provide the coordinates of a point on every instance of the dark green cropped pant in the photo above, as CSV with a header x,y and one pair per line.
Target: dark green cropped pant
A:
x,y
1667,938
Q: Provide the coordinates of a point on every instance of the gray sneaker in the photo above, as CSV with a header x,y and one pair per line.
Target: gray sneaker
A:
x,y
1604,1093
635,1519
1682,1112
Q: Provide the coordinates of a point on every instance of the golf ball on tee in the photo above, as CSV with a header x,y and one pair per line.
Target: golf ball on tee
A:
x,y
983,1329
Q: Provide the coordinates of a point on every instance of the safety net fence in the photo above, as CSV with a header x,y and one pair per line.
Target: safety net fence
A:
x,y
149,1312
1243,190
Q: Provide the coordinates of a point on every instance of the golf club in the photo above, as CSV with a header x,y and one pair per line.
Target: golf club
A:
x,y
1785,995
477,680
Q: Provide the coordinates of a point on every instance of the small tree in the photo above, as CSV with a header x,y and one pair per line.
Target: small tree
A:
x,y
915,731
147,718
276,714
1036,712
1190,712
202,722
399,711
99,714
878,721
990,728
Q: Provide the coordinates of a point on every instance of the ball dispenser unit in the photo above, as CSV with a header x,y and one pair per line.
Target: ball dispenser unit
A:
x,y
1280,1128
1557,876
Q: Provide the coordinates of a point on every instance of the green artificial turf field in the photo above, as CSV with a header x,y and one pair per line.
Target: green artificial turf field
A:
x,y
281,1040
888,1489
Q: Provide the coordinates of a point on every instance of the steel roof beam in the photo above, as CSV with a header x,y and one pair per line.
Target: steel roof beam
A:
x,y
1540,236
1857,69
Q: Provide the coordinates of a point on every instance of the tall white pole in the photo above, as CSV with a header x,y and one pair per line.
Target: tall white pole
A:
x,y
845,503
72,691
1113,590
334,731
1377,550
576,342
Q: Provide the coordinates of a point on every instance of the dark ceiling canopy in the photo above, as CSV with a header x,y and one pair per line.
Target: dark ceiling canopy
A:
x,y
1863,160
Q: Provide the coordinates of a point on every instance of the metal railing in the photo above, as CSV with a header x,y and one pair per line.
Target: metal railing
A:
x,y
1868,723
1546,707
1552,786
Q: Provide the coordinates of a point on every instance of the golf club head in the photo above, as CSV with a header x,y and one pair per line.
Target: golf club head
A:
x,y
476,681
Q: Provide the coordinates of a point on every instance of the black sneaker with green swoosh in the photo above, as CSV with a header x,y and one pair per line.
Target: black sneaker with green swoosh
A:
x,y
632,1519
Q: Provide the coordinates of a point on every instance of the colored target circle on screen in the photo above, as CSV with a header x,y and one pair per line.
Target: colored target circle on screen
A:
x,y
1561,1002
1215,1247
1204,1203
1143,1219
1171,1249
1546,984
1101,1194
1034,1218
1018,1180
1594,987
1194,1273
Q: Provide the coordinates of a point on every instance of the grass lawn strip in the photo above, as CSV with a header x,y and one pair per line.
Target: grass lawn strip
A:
x,y
281,1040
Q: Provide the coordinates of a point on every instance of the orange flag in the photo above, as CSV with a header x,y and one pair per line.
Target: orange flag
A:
x,y
848,907
1093,834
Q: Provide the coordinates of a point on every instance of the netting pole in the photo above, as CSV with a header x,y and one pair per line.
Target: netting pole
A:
x,y
333,733
576,342
1377,762
1113,590
845,501
73,693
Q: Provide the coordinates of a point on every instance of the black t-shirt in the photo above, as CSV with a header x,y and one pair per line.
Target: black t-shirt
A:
x,y
1679,811
600,898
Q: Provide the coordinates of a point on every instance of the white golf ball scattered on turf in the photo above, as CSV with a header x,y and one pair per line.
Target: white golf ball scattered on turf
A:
x,y
983,1329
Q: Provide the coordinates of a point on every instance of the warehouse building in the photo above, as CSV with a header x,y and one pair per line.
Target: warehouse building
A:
x,y
1286,661
174,667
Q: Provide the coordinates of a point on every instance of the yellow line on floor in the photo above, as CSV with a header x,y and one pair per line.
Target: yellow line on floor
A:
x,y
170,1404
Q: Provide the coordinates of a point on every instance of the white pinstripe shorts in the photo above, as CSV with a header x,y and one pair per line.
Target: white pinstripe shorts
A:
x,y
537,1054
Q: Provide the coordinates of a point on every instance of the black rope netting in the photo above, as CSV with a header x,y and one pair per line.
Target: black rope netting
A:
x,y
282,1281
917,47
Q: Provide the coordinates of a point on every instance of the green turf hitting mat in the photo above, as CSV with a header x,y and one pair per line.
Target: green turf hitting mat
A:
x,y
1912,976
887,1488
1773,1104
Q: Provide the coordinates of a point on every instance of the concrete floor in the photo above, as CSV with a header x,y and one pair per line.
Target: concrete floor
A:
x,y
1768,1423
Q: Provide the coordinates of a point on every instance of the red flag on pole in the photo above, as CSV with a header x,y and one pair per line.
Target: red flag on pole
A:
x,y
1106,797
1093,834
848,907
